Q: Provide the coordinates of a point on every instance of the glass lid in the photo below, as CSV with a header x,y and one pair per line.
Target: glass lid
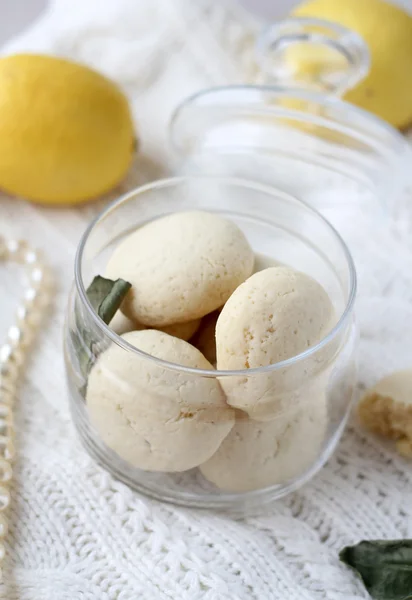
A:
x,y
291,129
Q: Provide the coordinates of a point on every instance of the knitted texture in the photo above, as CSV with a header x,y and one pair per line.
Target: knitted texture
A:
x,y
76,533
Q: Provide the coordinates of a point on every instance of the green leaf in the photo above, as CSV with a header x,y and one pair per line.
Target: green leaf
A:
x,y
106,296
384,566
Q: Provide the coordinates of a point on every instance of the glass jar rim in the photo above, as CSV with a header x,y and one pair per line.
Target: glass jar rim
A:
x,y
267,189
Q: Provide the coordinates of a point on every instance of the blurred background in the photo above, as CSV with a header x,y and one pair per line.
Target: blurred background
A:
x,y
15,15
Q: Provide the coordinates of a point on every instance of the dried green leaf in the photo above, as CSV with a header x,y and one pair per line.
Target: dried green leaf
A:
x,y
384,566
106,296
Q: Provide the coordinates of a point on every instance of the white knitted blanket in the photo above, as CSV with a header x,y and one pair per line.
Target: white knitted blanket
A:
x,y
76,533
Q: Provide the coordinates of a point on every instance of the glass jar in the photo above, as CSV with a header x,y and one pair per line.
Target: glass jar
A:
x,y
313,390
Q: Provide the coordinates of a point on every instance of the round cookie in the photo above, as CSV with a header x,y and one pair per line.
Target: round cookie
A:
x,y
181,267
259,454
274,315
155,418
205,339
122,324
386,409
184,331
262,261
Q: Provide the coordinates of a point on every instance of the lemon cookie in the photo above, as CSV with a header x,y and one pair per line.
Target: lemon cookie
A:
x,y
184,331
258,454
205,339
275,315
181,267
386,409
153,417
122,324
263,261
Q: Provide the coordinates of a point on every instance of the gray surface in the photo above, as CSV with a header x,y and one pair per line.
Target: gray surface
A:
x,y
15,15
271,9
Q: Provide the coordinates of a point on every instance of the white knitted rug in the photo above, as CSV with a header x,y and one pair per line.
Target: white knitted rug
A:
x,y
76,533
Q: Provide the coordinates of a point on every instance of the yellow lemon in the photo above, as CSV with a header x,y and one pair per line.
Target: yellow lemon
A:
x,y
387,29
66,132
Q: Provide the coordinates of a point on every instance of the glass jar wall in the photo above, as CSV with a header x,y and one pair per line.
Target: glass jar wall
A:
x,y
300,404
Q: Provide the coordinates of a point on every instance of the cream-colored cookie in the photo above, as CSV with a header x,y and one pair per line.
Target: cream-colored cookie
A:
x,y
122,324
386,409
262,261
181,267
259,454
184,331
205,339
275,315
153,417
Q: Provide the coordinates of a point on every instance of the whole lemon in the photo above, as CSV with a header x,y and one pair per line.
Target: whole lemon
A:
x,y
387,29
66,132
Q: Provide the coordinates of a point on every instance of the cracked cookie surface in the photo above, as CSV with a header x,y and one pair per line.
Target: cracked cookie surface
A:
x,y
274,315
181,267
258,454
153,417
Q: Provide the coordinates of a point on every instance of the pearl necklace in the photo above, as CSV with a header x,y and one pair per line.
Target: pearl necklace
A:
x,y
12,355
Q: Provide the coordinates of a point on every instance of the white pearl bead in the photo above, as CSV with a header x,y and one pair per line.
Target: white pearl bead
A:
x,y
4,527
19,336
37,277
3,248
10,358
27,316
6,385
6,428
31,295
2,551
6,471
12,246
6,352
22,313
5,411
4,497
14,334
16,249
6,396
16,355
9,370
7,449
34,298
32,257
10,452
